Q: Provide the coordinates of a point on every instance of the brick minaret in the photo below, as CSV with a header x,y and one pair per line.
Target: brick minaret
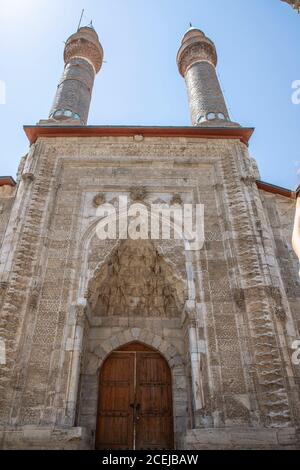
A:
x,y
83,58
197,60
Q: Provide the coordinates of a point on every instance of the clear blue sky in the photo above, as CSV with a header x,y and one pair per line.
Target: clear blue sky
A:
x,y
258,43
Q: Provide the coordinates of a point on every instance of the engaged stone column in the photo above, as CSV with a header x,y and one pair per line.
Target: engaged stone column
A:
x,y
190,326
74,347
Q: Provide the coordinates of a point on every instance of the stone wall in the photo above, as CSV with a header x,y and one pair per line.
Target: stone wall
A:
x,y
280,212
7,194
223,320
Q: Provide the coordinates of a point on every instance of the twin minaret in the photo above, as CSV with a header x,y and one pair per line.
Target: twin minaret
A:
x,y
196,60
83,58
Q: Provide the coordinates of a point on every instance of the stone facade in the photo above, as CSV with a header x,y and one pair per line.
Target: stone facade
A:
x,y
296,231
224,317
7,194
280,214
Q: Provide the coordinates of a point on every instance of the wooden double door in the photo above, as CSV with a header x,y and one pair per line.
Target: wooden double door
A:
x,y
135,401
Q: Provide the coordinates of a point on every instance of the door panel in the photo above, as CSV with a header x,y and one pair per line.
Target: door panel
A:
x,y
115,416
135,401
154,429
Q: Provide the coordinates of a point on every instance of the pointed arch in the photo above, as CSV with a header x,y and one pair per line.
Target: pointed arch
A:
x,y
95,359
135,279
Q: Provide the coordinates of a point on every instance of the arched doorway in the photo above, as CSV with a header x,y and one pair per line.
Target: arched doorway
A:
x,y
135,408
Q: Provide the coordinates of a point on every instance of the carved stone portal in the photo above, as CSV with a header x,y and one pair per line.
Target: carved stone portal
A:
x,y
136,280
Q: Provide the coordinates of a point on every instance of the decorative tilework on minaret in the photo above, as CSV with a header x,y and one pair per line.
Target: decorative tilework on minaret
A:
x,y
83,56
197,60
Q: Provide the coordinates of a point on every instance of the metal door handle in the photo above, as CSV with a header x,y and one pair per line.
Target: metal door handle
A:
x,y
137,409
135,406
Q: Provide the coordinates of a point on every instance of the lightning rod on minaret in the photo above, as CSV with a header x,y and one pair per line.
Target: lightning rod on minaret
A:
x,y
80,19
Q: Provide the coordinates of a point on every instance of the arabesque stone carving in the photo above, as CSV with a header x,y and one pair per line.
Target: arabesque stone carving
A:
x,y
136,280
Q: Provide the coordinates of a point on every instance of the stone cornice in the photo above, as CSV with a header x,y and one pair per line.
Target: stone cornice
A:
x,y
240,133
273,189
7,181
